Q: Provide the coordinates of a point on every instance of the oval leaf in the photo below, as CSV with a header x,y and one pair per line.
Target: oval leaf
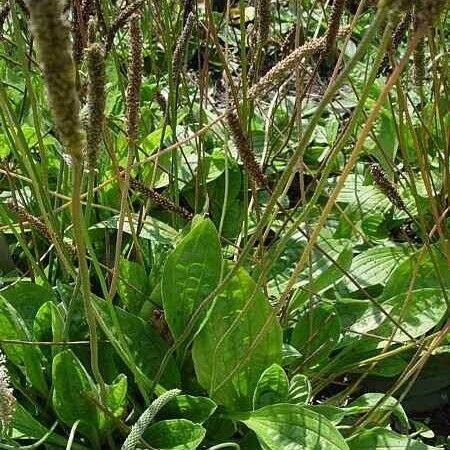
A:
x,y
293,427
176,434
71,385
191,272
227,361
316,334
272,387
383,439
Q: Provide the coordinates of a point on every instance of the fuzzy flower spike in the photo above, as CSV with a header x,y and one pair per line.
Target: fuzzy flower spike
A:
x,y
52,35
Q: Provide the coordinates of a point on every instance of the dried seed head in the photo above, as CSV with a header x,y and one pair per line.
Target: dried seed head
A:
x,y
52,36
77,33
95,56
275,76
120,22
157,198
419,64
388,188
87,9
397,38
92,30
35,223
289,41
246,154
7,399
135,65
180,48
333,26
188,7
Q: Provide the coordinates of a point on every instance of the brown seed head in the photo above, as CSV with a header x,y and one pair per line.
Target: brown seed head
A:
x,y
52,36
180,48
242,143
388,188
95,57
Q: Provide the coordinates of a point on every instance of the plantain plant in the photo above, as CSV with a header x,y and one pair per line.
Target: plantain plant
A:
x,y
224,226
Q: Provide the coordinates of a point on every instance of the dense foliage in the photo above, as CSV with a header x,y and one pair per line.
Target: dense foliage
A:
x,y
224,225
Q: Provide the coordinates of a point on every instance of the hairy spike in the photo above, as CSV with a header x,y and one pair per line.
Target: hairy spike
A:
x,y
134,80
388,188
180,48
242,144
399,34
39,226
333,26
280,71
7,399
95,56
120,21
52,35
156,197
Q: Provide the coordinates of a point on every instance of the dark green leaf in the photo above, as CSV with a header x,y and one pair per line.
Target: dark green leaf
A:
x,y
27,298
175,434
71,387
27,357
138,344
383,439
228,360
191,272
133,285
316,333
299,389
287,426
272,387
196,409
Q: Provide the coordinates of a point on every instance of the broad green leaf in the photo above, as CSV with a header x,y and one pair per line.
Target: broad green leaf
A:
x,y
417,312
191,272
152,229
27,298
175,434
386,144
368,401
116,394
137,343
293,427
367,198
49,326
71,387
384,439
375,265
424,269
27,357
299,389
272,387
316,334
227,358
331,412
133,285
324,272
196,409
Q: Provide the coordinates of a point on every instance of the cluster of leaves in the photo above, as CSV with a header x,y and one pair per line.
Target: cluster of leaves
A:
x,y
285,323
